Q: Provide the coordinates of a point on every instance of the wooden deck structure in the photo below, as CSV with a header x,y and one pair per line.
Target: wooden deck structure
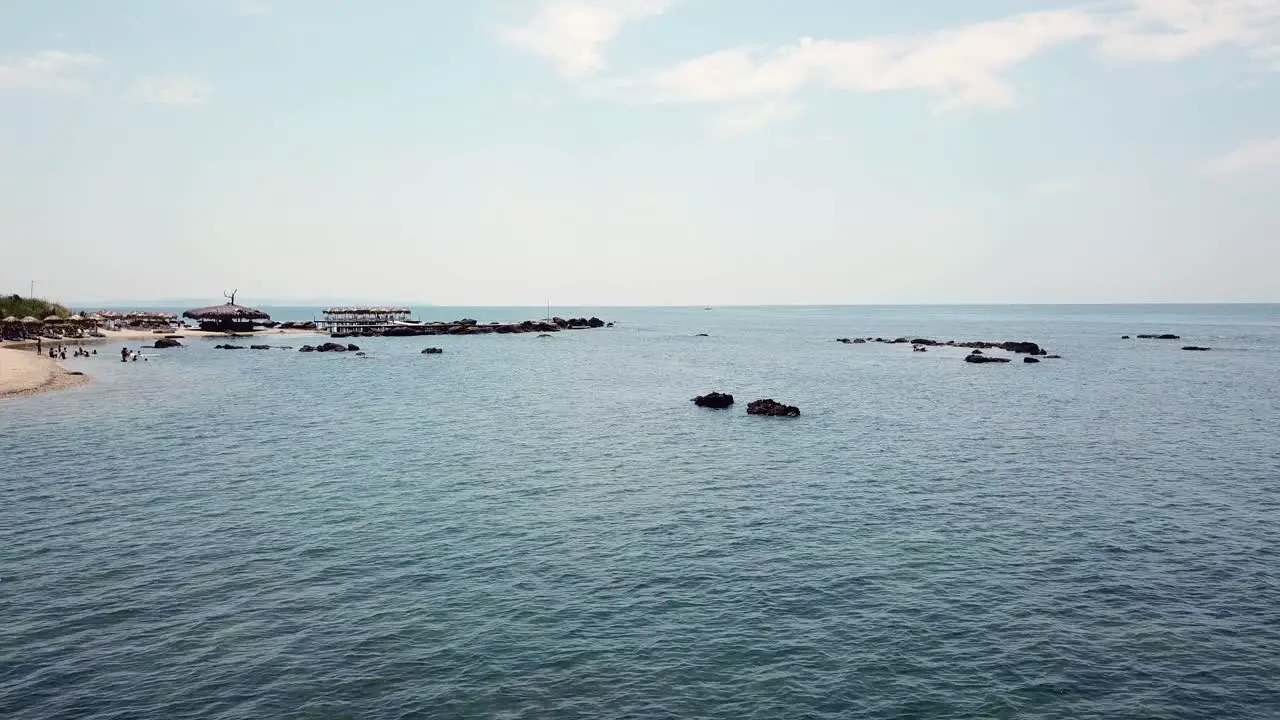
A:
x,y
356,320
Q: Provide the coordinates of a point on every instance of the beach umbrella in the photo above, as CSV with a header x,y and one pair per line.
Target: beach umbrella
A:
x,y
10,320
94,317
76,318
53,319
28,320
228,311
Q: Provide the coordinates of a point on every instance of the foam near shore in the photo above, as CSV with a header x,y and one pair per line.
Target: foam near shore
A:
x,y
24,372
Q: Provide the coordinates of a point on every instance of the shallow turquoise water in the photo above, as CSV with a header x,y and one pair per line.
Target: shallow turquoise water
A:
x,y
527,527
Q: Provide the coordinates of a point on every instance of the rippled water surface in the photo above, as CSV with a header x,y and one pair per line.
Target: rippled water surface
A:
x,y
526,527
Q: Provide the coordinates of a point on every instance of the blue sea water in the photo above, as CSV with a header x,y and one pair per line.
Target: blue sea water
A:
x,y
525,527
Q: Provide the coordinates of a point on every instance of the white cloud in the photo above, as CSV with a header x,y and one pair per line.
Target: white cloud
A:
x,y
1169,30
745,119
960,66
177,91
253,7
1248,156
1054,188
574,33
48,71
964,66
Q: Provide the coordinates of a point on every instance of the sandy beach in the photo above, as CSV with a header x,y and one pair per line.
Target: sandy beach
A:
x,y
24,372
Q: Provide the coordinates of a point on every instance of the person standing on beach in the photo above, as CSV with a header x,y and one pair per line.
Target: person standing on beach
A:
x,y
38,343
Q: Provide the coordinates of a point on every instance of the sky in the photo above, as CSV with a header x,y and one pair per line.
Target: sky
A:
x,y
642,152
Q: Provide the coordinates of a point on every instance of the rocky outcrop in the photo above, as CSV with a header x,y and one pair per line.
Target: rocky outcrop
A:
x,y
307,348
331,347
980,359
308,325
1124,337
1166,336
432,351
772,408
1196,348
163,343
1052,357
228,347
353,348
715,400
259,347
702,335
1029,359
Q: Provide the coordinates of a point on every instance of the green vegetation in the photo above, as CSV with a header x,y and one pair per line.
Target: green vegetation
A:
x,y
20,307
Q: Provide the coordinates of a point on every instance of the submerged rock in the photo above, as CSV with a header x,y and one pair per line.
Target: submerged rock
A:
x,y
976,358
331,347
1052,357
259,347
163,343
352,347
772,408
1124,337
307,348
228,347
716,400
1196,348
432,351
1030,360
1166,336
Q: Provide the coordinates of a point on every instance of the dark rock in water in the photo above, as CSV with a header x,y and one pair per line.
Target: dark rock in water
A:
x,y
1166,336
846,341
1030,360
608,325
772,408
174,337
1022,348
432,351
702,335
976,352
74,372
899,341
331,347
284,347
1052,357
984,359
166,343
339,336
544,335
259,347
716,400
362,354
595,322
1196,348
1124,337
353,348
859,341
925,341
307,348
228,347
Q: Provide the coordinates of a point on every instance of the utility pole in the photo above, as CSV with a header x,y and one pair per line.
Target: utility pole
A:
x,y
32,292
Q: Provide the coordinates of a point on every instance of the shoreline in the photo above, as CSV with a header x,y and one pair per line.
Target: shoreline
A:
x,y
24,373
125,335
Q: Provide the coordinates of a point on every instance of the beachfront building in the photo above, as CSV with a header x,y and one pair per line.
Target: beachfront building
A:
x,y
228,317
357,320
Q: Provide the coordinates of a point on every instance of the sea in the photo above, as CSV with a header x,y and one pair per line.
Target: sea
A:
x,y
526,527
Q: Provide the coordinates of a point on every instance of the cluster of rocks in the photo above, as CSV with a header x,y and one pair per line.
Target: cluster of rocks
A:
x,y
307,325
768,406
166,342
1032,350
432,351
330,347
468,326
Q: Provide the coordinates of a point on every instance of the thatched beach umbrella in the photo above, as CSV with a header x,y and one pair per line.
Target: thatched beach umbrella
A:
x,y
11,320
28,320
228,316
53,319
76,318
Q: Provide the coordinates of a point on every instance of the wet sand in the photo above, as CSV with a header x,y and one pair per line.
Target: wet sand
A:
x,y
25,372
